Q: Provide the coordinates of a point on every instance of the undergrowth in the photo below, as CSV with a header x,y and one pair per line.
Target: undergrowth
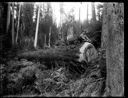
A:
x,y
23,77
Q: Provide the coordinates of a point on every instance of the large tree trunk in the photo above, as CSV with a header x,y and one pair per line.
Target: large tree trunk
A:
x,y
114,32
104,27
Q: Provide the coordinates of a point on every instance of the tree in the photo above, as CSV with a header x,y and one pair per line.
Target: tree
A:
x,y
5,35
113,22
13,32
61,20
46,22
79,14
87,13
28,10
37,26
99,12
45,41
49,36
104,27
18,22
93,13
8,18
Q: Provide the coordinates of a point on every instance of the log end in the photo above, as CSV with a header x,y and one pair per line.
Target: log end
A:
x,y
88,53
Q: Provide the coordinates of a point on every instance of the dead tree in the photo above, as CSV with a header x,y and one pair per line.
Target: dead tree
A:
x,y
37,26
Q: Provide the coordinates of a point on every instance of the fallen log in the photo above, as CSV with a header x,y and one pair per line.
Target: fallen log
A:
x,y
84,52
78,51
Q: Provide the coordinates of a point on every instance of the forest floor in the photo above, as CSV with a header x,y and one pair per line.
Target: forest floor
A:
x,y
32,78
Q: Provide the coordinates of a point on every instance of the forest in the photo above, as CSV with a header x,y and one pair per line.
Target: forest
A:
x,y
61,49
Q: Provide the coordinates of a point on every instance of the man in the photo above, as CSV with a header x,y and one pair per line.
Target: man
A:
x,y
84,36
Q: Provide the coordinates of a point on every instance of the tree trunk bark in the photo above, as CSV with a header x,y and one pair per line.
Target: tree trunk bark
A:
x,y
113,22
104,27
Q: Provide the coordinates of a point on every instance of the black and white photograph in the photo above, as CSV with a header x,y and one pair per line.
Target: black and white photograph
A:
x,y
62,49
